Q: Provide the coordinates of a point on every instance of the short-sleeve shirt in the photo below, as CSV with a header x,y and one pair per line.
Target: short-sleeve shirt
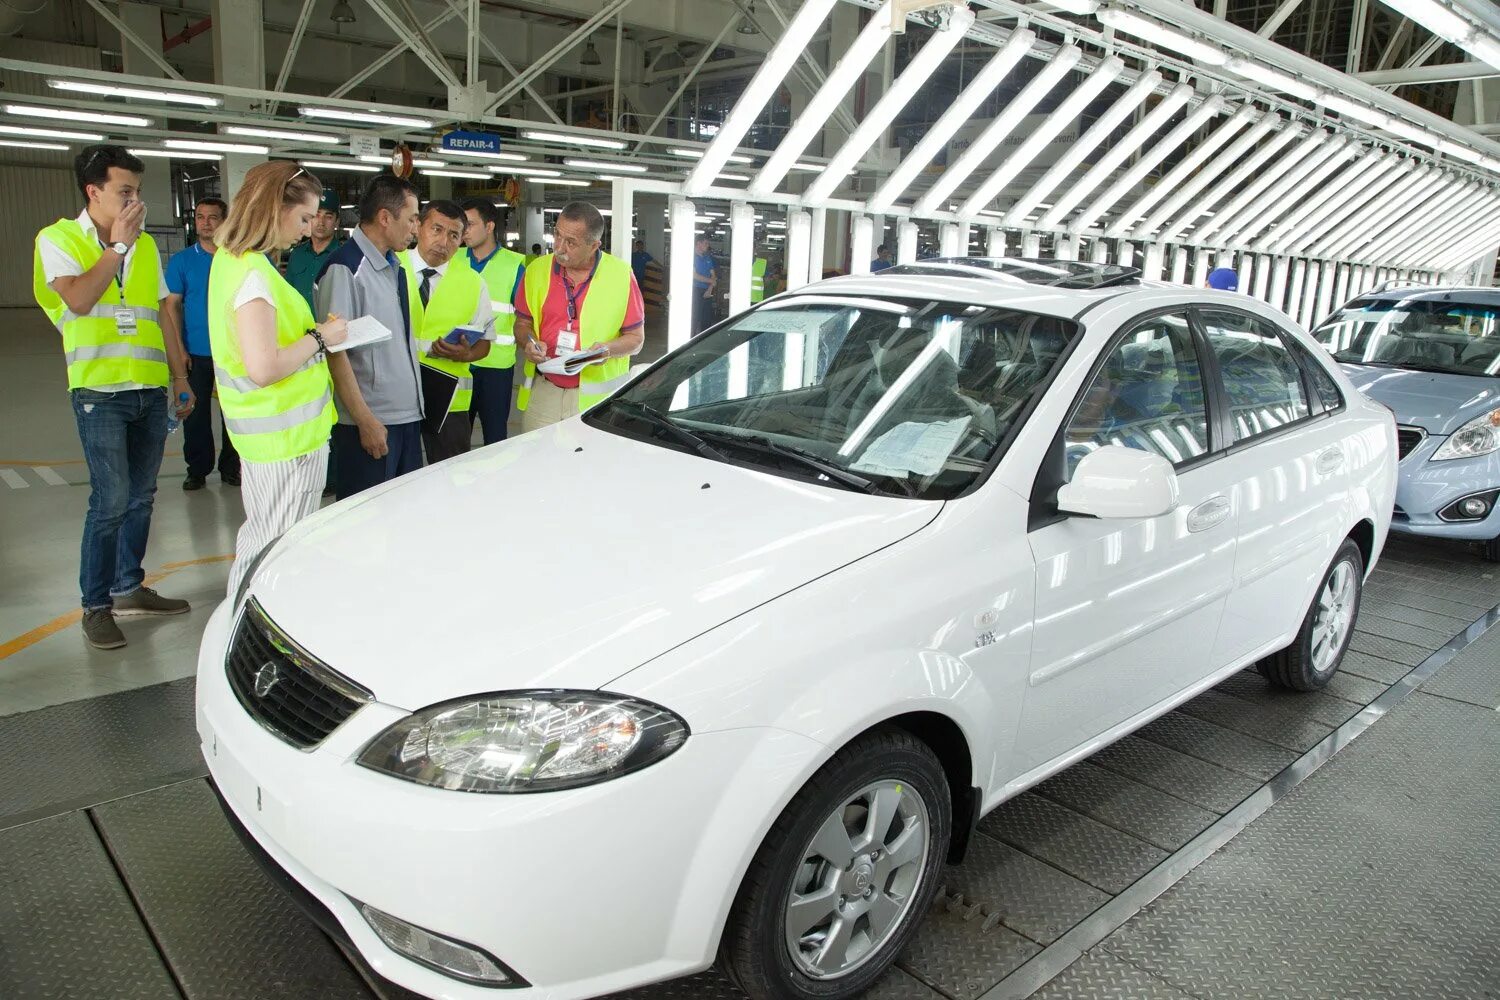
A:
x,y
638,261
703,268
187,276
304,264
479,266
879,264
555,314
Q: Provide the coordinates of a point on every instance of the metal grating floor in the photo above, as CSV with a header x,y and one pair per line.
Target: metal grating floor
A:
x,y
124,881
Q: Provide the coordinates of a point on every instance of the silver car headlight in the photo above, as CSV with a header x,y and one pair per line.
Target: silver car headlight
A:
x,y
526,741
1479,436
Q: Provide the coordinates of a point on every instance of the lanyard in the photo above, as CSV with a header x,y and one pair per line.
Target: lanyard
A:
x,y
573,294
119,282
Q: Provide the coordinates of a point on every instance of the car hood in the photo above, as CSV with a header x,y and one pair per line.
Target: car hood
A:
x,y
562,558
1437,402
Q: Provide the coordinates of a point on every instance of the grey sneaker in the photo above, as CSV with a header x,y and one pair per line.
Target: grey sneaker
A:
x,y
100,630
146,601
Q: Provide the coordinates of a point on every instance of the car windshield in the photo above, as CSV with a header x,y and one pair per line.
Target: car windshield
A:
x,y
879,394
1424,334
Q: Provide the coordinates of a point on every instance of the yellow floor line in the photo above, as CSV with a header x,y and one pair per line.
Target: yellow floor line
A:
x,y
56,625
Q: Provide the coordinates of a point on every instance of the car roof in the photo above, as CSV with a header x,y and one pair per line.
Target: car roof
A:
x,y
1476,294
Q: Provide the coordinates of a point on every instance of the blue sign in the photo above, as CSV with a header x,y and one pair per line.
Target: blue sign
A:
x,y
472,142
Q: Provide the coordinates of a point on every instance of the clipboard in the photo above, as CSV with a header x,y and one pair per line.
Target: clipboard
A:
x,y
438,389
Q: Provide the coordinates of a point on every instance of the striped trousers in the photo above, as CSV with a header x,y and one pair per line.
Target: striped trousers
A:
x,y
277,495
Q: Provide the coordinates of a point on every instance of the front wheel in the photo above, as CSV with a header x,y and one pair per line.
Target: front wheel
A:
x,y
844,876
1492,549
1309,662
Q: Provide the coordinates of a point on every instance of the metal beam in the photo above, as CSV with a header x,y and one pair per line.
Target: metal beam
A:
x,y
1286,10
1441,73
396,52
557,51
1359,24
1398,41
134,39
475,33
807,67
292,47
682,88
415,24
431,60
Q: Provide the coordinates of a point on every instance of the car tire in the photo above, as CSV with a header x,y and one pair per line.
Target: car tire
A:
x,y
1492,549
757,949
1310,662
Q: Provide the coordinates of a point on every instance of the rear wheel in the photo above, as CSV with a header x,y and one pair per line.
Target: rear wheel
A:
x,y
845,875
1310,662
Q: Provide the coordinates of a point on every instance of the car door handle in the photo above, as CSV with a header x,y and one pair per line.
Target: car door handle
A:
x,y
1209,514
1330,461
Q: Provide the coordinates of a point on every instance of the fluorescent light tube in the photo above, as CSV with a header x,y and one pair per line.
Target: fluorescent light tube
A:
x,y
75,115
281,134
1461,151
465,174
1159,34
1224,187
50,133
568,139
139,93
482,155
1083,8
17,144
349,165
1352,109
526,171
1266,76
215,147
176,154
608,166
563,181
365,117
697,154
1436,17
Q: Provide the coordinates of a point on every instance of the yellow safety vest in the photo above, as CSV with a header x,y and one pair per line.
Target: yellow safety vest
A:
x,y
758,280
454,302
283,420
499,276
599,320
97,353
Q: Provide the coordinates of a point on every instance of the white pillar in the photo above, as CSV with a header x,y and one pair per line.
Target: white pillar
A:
x,y
816,244
1293,304
906,242
621,216
861,245
1263,265
1151,261
1309,294
995,246
1031,245
741,255
1341,290
680,273
948,237
1100,252
1325,294
239,61
534,226
1179,264
1067,248
798,237
1125,253
1201,261
965,237
1279,275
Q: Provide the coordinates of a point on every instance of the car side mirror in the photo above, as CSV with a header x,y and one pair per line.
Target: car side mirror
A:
x,y
1120,482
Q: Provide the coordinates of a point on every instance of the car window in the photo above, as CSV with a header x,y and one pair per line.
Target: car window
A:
x,y
1261,377
1148,394
1426,334
914,396
1324,387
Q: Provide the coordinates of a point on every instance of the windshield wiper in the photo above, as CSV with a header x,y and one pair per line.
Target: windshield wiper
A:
x,y
661,421
806,459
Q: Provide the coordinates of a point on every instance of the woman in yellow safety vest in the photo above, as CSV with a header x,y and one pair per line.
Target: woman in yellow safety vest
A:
x,y
270,359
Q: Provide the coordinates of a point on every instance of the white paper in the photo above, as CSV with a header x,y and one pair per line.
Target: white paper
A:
x,y
571,364
912,447
362,331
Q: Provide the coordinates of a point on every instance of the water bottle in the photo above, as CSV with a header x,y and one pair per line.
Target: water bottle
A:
x,y
172,419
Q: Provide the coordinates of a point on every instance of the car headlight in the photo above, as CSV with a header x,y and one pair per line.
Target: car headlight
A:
x,y
526,741
244,587
1479,436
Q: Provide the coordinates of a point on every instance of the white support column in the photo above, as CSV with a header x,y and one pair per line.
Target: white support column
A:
x,y
1201,260
1180,265
621,218
1067,248
1341,288
534,226
1326,279
906,242
741,255
948,237
1100,252
239,61
1031,245
965,238
1152,261
1309,294
816,244
680,273
1293,304
798,236
1279,276
1125,253
1263,265
995,245
861,244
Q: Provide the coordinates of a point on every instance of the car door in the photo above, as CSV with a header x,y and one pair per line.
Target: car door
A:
x,y
1127,610
1286,465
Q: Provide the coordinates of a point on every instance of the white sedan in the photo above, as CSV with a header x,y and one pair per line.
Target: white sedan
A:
x,y
726,669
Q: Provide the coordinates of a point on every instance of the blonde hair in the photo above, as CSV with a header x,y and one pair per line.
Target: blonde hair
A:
x,y
254,221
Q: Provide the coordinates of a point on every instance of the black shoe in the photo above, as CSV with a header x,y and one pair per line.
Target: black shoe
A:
x,y
229,478
194,483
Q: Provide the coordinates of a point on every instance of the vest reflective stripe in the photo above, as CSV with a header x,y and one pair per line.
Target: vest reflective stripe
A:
x,y
453,304
115,351
758,280
276,422
499,276
599,321
97,353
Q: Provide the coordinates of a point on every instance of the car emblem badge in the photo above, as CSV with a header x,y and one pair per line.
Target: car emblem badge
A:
x,y
265,679
862,877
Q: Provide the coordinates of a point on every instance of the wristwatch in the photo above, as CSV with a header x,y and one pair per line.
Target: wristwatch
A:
x,y
120,248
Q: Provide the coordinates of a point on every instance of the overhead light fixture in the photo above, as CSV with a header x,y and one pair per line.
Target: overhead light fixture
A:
x,y
281,134
1459,150
607,166
590,56
1083,8
1352,109
365,117
526,171
480,154
1409,132
734,177
1266,76
50,133
176,154
75,115
464,174
1159,34
747,26
18,144
567,138
216,147
563,181
139,93
349,165
697,154
342,13
431,164
1436,17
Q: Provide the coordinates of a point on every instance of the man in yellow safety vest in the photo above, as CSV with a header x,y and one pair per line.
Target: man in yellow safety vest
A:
x,y
98,277
577,300
757,280
502,271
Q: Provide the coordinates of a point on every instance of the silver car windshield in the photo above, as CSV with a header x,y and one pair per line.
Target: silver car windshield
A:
x,y
911,398
1424,334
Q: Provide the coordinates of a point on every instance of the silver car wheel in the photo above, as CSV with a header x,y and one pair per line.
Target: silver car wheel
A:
x,y
1335,618
857,880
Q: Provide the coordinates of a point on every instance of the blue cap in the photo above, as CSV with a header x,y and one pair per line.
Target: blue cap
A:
x,y
1225,279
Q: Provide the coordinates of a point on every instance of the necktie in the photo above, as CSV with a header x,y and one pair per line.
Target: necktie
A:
x,y
425,289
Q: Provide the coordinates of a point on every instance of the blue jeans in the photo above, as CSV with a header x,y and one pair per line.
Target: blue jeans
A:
x,y
123,434
491,406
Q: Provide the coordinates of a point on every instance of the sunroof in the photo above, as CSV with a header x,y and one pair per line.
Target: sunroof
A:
x,y
1031,270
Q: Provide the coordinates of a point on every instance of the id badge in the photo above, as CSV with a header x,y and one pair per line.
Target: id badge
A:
x,y
125,321
567,342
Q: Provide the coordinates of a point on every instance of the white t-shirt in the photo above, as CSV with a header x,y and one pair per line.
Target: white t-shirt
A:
x,y
56,263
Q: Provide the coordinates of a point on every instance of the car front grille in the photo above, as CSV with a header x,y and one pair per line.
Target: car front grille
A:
x,y
287,690
1407,439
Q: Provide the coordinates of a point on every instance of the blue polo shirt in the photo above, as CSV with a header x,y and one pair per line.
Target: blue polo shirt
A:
x,y
187,275
479,266
703,267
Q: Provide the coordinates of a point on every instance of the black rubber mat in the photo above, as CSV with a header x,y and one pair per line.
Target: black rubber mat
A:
x,y
68,930
225,930
96,750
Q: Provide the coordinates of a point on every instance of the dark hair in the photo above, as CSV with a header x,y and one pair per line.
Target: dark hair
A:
x,y
387,192
536,246
582,211
445,208
91,165
882,249
219,203
489,213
